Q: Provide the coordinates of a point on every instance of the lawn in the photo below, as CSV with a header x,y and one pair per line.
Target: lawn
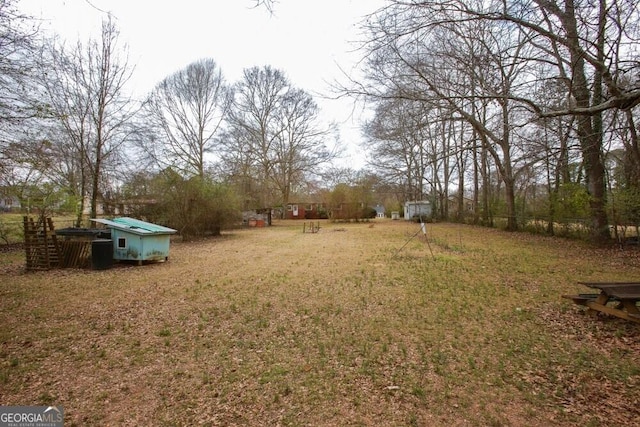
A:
x,y
12,227
358,324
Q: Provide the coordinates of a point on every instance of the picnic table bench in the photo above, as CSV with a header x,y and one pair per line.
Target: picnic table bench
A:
x,y
616,298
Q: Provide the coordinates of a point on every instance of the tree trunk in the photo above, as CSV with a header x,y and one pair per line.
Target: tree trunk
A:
x,y
476,181
487,217
509,191
589,128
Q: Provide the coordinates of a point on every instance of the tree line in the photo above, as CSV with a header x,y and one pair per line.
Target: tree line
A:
x,y
196,149
513,109
527,108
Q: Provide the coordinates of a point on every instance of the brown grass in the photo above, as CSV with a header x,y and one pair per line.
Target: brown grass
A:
x,y
275,327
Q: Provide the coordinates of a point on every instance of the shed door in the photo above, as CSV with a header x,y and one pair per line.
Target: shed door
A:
x,y
295,210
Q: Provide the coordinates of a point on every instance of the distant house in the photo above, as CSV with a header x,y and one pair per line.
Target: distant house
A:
x,y
100,210
305,211
467,205
417,209
380,211
9,203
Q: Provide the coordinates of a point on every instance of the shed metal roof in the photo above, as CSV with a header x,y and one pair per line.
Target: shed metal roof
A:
x,y
135,226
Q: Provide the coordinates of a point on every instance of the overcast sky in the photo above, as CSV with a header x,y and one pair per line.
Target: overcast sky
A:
x,y
307,39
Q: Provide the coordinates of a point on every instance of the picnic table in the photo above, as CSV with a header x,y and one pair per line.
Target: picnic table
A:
x,y
616,298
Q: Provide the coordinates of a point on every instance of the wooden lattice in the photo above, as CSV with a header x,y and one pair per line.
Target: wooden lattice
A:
x,y
75,253
41,246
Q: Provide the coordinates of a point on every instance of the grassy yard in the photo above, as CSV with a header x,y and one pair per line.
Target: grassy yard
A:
x,y
343,327
12,227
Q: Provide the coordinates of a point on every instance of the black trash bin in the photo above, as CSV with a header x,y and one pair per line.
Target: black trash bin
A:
x,y
101,254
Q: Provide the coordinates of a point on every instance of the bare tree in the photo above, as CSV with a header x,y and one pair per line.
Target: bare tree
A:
x,y
276,126
300,147
237,166
589,49
398,146
70,132
85,88
253,125
267,4
186,111
110,111
430,65
18,100
592,49
17,45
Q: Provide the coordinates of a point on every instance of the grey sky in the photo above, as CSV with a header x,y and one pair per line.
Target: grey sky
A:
x,y
308,39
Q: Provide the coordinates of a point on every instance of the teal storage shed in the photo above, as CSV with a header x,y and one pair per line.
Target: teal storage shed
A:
x,y
135,240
